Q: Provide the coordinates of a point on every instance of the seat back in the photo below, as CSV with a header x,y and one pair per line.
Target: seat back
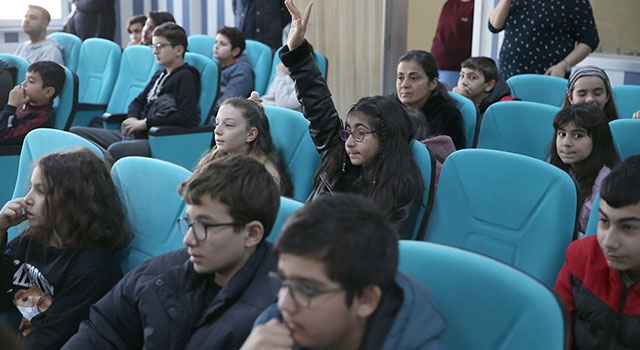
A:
x,y
70,48
470,115
65,104
321,61
148,191
487,304
137,66
539,88
625,136
20,63
427,164
518,127
260,56
202,44
287,207
627,99
98,65
290,135
38,143
209,83
514,208
592,224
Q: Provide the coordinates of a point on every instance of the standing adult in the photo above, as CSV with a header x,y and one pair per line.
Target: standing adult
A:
x,y
452,42
543,36
92,19
262,20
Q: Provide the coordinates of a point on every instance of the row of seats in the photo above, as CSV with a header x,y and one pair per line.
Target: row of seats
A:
x,y
488,304
551,90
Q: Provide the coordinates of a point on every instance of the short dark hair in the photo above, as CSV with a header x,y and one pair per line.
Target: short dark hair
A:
x,y
241,183
45,14
160,17
174,33
621,188
82,204
141,19
52,74
485,65
236,37
348,233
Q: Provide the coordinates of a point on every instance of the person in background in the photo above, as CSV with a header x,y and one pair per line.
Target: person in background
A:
x,y
282,91
92,19
237,77
591,85
481,82
135,25
543,36
583,147
452,42
154,19
64,260
39,47
599,279
262,20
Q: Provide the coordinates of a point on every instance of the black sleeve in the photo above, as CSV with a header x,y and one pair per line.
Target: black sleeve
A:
x,y
137,105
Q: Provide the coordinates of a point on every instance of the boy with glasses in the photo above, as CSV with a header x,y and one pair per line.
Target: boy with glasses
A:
x,y
170,98
338,285
207,295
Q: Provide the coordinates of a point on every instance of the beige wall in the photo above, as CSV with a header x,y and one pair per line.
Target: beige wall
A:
x,y
422,23
618,25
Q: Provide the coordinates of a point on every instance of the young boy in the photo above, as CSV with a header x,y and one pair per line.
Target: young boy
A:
x,y
480,82
338,286
237,73
30,104
135,25
599,280
170,98
207,295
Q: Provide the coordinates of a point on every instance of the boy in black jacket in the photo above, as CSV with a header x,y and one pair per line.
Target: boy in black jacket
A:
x,y
30,104
171,98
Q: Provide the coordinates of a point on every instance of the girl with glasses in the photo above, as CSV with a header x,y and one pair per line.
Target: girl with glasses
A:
x,y
370,152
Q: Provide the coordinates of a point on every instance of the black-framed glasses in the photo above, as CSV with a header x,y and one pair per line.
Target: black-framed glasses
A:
x,y
159,46
300,293
200,229
358,135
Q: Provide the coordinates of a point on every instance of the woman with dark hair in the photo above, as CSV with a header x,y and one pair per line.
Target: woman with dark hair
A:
x,y
242,127
591,84
370,152
63,262
583,147
417,87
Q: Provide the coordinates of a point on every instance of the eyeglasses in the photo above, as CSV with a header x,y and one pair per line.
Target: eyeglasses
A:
x,y
358,135
159,46
300,293
200,229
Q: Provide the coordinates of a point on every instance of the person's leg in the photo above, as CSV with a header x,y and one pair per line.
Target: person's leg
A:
x,y
130,148
101,137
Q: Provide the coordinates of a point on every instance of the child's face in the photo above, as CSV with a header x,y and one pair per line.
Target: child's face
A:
x,y
33,90
135,32
412,84
167,55
231,134
619,236
589,90
472,85
327,322
147,31
222,50
35,199
573,144
223,251
361,152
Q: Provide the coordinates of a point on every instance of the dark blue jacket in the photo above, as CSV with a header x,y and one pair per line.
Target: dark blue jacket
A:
x,y
161,305
418,324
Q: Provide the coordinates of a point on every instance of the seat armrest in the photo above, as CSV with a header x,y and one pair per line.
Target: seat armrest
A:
x,y
114,117
91,106
177,130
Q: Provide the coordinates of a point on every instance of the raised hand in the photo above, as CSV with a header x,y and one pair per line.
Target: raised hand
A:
x,y
298,24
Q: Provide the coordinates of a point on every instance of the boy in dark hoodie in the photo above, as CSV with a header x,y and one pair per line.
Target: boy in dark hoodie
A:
x,y
171,98
480,82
